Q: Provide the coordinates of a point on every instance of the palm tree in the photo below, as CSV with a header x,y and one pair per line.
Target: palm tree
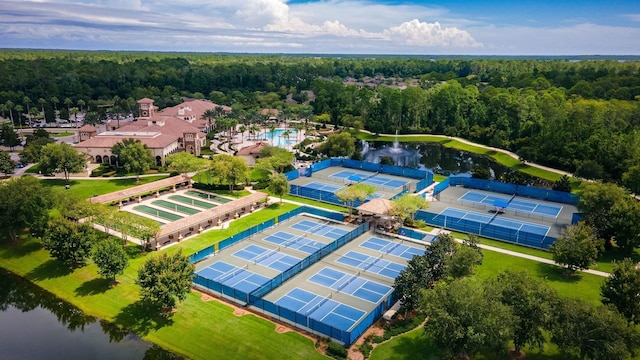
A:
x,y
33,112
68,102
81,103
253,129
115,108
42,102
9,104
242,129
74,111
26,102
3,109
272,129
209,115
232,126
298,128
19,109
55,101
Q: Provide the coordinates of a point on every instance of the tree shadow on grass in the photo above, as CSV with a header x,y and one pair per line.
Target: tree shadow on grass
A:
x,y
142,317
19,249
134,251
93,287
49,270
557,273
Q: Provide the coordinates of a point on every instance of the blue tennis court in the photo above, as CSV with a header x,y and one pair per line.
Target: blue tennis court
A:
x,y
514,204
392,247
350,284
320,308
373,179
233,276
322,186
325,230
265,257
457,214
373,264
296,242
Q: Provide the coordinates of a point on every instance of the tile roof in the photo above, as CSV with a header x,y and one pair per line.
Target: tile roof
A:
x,y
253,149
88,128
140,189
145,101
376,206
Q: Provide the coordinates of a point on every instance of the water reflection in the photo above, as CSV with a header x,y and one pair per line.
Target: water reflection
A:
x,y
35,324
432,156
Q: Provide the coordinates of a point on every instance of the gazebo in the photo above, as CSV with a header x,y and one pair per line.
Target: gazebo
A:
x,y
379,209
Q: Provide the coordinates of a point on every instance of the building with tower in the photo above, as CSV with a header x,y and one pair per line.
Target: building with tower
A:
x,y
174,129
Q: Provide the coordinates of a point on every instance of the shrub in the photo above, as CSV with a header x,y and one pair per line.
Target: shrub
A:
x,y
261,185
109,173
336,351
365,349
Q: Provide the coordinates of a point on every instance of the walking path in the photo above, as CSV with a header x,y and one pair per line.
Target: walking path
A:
x,y
465,141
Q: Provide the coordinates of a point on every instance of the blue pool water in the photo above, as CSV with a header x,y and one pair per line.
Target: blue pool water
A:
x,y
277,139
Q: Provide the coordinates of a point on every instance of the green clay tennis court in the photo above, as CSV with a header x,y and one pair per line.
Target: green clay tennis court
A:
x,y
193,202
212,197
157,212
175,207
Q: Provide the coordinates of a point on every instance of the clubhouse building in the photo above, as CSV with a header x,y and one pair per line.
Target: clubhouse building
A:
x,y
174,129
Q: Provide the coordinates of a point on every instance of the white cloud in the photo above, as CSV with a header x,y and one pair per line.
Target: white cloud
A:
x,y
416,33
325,26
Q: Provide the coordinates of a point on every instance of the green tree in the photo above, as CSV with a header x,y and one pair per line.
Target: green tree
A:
x,y
353,194
562,184
586,331
230,169
631,179
463,319
68,241
110,258
6,164
33,150
596,202
337,145
466,258
531,303
278,185
23,203
622,289
209,115
406,206
61,157
183,162
165,279
9,136
577,247
625,219
135,156
412,281
274,159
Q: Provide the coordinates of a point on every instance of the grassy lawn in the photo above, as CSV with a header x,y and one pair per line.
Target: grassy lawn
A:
x,y
196,329
499,157
88,188
33,170
309,202
61,134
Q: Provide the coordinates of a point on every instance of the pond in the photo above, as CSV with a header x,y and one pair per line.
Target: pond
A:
x,y
432,156
35,324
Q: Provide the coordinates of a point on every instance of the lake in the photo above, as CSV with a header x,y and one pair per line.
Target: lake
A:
x,y
430,156
34,324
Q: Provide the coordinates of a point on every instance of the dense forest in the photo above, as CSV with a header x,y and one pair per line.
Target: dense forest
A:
x,y
581,116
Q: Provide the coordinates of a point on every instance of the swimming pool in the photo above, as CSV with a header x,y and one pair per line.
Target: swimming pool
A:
x,y
277,138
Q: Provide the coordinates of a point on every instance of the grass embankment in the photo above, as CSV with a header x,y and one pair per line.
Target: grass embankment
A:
x,y
499,157
89,188
197,329
307,201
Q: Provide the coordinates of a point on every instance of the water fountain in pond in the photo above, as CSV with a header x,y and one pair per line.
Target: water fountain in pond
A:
x,y
399,155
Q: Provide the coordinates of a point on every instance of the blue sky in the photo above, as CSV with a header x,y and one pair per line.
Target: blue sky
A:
x,y
524,27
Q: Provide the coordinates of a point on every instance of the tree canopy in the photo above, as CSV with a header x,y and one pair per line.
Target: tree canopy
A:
x,y
68,241
355,193
134,155
622,289
577,247
338,145
278,185
228,169
61,157
165,279
110,257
